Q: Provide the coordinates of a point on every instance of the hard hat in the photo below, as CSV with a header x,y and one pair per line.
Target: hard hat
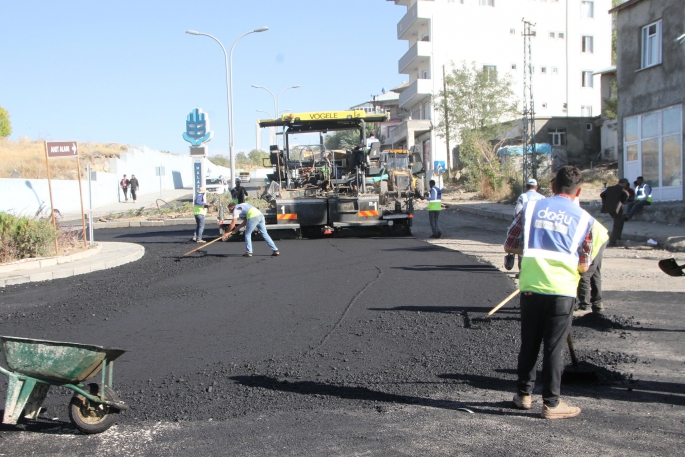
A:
x,y
202,190
532,182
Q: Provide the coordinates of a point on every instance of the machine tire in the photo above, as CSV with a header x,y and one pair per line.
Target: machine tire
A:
x,y
91,417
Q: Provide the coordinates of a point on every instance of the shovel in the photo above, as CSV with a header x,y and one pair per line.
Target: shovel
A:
x,y
486,318
671,267
204,245
576,374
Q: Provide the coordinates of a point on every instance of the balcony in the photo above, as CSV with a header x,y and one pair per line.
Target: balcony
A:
x,y
417,55
416,91
417,17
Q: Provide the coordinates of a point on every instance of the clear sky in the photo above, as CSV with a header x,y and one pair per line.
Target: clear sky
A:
x,y
125,71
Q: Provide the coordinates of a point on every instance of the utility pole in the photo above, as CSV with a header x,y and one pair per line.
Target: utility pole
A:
x,y
447,126
530,165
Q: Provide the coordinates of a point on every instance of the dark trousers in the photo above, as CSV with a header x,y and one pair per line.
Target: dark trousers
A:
x,y
545,319
635,206
590,284
125,190
617,229
200,226
133,194
433,219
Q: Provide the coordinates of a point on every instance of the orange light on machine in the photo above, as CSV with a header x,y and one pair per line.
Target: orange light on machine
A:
x,y
373,212
411,216
286,217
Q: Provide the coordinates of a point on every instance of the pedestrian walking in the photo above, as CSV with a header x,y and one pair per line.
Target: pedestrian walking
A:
x,y
554,236
590,283
238,193
123,184
434,207
643,197
134,186
200,211
613,199
252,219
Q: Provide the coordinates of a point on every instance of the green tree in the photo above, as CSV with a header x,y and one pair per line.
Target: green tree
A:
x,y
256,156
220,160
477,107
5,125
349,139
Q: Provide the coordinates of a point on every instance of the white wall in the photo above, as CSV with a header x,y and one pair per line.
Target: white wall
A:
x,y
24,196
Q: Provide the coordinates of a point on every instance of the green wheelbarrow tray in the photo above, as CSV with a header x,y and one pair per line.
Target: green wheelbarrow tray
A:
x,y
34,365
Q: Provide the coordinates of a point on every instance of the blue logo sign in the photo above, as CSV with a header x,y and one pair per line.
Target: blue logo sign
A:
x,y
197,128
439,166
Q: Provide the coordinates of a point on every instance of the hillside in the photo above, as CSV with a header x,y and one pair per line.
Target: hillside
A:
x,y
26,159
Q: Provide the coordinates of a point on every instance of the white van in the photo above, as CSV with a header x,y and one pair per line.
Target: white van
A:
x,y
216,185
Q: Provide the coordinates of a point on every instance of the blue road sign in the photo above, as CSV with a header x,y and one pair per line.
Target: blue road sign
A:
x,y
439,166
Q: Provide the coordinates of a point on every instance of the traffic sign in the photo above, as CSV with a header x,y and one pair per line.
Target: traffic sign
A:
x,y
59,149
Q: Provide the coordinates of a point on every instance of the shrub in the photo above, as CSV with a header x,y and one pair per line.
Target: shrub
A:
x,y
23,237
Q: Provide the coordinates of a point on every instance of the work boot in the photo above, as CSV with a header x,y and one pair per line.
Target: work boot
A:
x,y
275,253
598,307
523,401
561,411
509,260
201,241
247,254
439,235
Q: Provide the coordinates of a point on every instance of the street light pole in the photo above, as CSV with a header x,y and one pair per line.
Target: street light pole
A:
x,y
276,99
228,60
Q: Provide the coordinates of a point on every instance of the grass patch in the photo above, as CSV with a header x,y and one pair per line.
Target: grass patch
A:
x,y
26,159
27,237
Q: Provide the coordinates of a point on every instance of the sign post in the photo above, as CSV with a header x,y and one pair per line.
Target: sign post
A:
x,y
60,150
197,133
90,205
159,171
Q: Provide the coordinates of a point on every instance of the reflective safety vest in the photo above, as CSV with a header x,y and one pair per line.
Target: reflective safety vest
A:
x,y
435,199
600,235
245,211
553,230
199,205
528,196
640,193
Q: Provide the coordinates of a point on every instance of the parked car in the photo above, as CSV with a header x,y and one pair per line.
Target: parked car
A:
x,y
244,176
216,185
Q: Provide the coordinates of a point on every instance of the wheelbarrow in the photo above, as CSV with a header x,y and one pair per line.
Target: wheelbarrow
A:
x,y
35,365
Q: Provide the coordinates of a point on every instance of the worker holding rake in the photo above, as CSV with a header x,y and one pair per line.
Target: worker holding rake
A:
x,y
554,237
252,219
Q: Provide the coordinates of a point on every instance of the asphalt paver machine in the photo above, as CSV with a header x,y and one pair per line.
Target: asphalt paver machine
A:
x,y
312,187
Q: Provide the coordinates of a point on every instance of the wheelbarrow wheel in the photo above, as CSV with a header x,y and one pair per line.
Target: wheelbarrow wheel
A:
x,y
90,417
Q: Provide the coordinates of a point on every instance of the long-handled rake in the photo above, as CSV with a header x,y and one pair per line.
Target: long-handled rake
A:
x,y
204,246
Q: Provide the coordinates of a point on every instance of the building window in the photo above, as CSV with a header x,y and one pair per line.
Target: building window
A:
x,y
543,70
544,105
487,2
552,35
555,71
560,35
557,137
425,38
512,31
587,9
513,66
587,44
651,44
588,126
425,74
587,79
586,111
656,140
427,110
490,71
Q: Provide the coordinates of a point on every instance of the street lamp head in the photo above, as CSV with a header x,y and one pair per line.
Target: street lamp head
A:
x,y
192,32
257,87
295,87
261,29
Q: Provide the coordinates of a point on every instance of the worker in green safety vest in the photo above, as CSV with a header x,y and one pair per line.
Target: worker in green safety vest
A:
x,y
590,284
200,211
434,198
643,197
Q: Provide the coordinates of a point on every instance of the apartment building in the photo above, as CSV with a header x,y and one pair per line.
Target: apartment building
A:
x,y
650,65
572,41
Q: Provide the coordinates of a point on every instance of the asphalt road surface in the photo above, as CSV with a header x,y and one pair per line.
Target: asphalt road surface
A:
x,y
339,346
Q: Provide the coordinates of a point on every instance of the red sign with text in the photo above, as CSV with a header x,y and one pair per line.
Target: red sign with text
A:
x,y
57,149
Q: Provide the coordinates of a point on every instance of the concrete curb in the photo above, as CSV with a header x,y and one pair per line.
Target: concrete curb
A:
x,y
164,223
671,243
111,255
51,261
